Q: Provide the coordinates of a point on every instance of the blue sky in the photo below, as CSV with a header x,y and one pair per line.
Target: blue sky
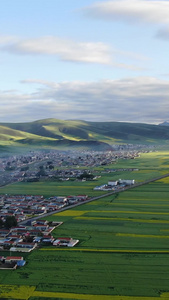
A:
x,y
84,59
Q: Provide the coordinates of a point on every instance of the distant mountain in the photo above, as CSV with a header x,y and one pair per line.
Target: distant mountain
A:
x,y
164,123
61,134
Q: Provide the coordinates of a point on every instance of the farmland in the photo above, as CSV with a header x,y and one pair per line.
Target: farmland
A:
x,y
123,250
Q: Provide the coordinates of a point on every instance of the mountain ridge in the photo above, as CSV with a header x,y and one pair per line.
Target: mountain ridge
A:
x,y
73,133
165,123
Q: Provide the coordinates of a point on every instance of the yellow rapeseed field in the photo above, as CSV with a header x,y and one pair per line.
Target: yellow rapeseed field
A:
x,y
143,204
137,199
105,250
135,212
25,292
164,180
78,213
89,297
71,213
16,292
124,219
142,235
165,295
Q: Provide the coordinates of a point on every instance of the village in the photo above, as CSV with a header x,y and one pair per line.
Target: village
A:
x,y
27,237
30,231
61,165
27,206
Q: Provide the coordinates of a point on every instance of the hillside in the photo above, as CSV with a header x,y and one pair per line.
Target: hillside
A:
x,y
80,134
164,123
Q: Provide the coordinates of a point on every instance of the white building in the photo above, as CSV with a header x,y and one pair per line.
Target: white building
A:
x,y
127,182
113,183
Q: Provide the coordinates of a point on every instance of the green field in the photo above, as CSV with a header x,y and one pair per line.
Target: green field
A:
x,y
123,250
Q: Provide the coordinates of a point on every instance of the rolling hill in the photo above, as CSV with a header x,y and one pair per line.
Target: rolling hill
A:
x,y
80,134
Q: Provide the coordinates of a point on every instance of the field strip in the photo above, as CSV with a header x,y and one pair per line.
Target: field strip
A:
x,y
25,292
124,219
69,187
140,199
74,213
106,250
71,213
89,297
142,235
140,204
131,212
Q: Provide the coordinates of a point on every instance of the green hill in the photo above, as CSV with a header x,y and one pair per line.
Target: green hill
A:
x,y
80,134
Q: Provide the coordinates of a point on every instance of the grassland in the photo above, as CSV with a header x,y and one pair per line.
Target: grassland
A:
x,y
123,250
59,134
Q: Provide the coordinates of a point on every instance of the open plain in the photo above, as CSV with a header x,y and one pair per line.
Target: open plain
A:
x,y
124,243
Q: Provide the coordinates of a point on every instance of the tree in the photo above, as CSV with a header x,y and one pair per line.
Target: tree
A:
x,y
10,222
25,168
1,223
86,175
51,167
41,172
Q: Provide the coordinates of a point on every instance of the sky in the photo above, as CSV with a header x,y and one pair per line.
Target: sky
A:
x,y
84,60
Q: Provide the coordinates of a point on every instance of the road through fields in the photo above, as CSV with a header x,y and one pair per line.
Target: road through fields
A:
x,y
93,199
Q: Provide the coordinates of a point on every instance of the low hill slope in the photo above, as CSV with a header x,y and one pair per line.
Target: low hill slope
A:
x,y
92,135
38,134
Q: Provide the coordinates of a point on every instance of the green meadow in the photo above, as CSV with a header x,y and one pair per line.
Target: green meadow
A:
x,y
123,244
123,248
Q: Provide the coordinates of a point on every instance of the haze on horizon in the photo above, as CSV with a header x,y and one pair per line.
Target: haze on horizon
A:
x,y
85,60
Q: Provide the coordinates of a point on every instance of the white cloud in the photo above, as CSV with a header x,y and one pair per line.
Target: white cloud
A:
x,y
153,11
7,39
66,50
141,99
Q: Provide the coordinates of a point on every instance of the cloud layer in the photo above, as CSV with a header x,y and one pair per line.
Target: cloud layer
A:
x,y
72,51
66,50
139,100
153,11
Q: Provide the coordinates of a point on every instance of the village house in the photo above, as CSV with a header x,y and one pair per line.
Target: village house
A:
x,y
41,227
11,262
65,241
47,239
9,259
4,232
113,183
26,245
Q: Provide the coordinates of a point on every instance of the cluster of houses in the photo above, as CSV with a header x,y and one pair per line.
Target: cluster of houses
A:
x,y
27,238
25,206
17,167
115,185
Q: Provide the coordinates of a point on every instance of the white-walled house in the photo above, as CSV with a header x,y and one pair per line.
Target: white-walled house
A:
x,y
113,183
127,182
